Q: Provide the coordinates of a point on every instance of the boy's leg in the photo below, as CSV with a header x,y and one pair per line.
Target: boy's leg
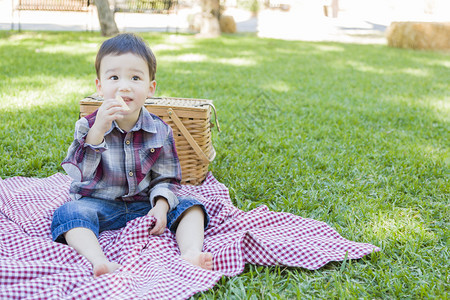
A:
x,y
85,242
78,223
190,236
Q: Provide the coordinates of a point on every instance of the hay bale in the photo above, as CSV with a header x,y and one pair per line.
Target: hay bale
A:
x,y
227,24
419,35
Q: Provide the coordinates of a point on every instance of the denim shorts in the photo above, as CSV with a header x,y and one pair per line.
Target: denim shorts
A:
x,y
99,215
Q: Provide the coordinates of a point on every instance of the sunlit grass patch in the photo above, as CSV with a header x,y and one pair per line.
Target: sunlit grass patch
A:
x,y
402,226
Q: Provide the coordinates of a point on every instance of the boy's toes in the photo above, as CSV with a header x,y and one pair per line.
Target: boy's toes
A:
x,y
100,270
206,261
105,269
202,259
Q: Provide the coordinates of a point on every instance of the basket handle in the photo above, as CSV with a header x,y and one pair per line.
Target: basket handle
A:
x,y
173,116
215,114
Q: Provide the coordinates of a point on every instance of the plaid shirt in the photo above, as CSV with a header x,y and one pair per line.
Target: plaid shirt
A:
x,y
138,165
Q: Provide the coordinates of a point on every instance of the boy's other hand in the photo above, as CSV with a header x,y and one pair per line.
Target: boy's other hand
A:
x,y
159,211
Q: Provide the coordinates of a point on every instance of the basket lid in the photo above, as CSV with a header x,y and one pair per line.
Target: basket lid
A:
x,y
170,101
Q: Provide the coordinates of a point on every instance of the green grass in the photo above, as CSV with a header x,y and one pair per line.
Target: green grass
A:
x,y
353,135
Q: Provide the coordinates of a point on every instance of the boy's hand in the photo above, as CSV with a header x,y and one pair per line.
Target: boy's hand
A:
x,y
159,211
109,111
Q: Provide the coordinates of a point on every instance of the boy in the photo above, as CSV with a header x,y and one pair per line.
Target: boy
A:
x,y
124,164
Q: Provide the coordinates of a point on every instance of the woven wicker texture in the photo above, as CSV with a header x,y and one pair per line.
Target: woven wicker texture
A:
x,y
193,142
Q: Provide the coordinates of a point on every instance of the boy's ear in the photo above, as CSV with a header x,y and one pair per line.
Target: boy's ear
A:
x,y
152,89
98,84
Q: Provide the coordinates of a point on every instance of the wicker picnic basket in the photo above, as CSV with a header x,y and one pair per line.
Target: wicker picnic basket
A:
x,y
191,123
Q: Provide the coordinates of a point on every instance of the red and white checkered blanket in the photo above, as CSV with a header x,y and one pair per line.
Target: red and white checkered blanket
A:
x,y
32,266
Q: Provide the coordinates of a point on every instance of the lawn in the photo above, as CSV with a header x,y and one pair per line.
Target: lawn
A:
x,y
353,135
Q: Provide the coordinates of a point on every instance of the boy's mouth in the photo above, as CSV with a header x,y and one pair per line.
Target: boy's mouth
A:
x,y
127,99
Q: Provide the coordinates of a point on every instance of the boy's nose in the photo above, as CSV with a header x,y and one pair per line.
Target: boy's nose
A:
x,y
124,87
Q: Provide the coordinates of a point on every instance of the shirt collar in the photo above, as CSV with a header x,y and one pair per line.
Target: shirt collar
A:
x,y
145,122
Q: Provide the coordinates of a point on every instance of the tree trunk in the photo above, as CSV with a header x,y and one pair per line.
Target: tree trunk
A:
x,y
210,18
106,18
335,7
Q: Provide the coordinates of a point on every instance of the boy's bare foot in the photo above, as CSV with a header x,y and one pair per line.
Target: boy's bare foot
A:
x,y
105,268
203,260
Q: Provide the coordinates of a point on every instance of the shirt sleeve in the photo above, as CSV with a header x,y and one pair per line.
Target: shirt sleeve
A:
x,y
82,158
166,173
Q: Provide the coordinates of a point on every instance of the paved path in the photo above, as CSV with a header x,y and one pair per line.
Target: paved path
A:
x,y
299,23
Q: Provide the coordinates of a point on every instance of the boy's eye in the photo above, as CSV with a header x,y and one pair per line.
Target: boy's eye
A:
x,y
114,77
135,78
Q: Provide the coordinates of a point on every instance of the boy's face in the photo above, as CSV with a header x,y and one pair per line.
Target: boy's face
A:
x,y
126,75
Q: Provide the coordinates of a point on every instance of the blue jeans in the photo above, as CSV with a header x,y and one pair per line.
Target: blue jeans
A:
x,y
99,215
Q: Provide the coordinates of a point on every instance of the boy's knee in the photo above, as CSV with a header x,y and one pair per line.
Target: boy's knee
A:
x,y
73,214
187,209
74,210
195,209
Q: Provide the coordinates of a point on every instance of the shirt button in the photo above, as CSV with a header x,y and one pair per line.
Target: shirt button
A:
x,y
130,173
152,150
127,142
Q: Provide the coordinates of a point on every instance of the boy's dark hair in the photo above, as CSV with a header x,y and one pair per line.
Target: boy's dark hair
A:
x,y
127,43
